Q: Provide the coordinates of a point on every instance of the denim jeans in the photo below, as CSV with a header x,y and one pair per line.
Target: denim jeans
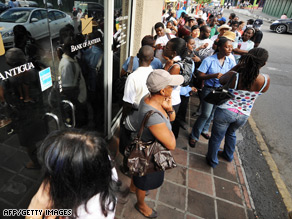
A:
x,y
203,121
225,123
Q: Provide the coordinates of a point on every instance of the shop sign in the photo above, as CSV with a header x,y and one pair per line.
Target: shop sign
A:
x,y
45,78
16,71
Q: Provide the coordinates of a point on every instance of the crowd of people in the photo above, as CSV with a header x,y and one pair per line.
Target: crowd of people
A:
x,y
214,52
187,55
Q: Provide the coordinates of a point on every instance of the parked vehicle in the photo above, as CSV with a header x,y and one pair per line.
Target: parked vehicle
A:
x,y
282,26
35,21
24,3
3,7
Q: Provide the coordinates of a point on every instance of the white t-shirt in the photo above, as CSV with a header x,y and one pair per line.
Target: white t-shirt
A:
x,y
163,41
175,95
203,53
213,38
93,206
135,87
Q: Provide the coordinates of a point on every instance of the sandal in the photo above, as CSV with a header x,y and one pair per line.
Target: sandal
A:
x,y
152,215
192,142
206,135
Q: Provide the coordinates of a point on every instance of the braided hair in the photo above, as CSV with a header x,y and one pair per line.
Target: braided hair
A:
x,y
250,65
179,45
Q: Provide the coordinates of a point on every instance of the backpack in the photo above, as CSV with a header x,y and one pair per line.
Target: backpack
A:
x,y
187,68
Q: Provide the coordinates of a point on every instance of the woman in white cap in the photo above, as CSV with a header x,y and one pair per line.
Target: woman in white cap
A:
x,y
160,85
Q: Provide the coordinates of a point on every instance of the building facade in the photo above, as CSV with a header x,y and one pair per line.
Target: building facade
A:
x,y
277,8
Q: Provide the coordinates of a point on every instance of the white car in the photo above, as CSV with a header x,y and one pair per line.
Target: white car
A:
x,y
25,3
35,21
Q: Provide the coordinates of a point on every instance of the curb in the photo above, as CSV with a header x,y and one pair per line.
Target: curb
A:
x,y
245,180
273,167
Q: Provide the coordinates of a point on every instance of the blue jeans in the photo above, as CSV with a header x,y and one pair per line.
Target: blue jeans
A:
x,y
203,121
225,123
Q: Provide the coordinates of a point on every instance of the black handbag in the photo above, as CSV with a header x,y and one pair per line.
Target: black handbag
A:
x,y
220,95
147,157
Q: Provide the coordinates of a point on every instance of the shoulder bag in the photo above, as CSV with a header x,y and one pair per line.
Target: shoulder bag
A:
x,y
220,95
147,157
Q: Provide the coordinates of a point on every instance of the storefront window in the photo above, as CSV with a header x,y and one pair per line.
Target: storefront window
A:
x,y
52,68
121,52
52,71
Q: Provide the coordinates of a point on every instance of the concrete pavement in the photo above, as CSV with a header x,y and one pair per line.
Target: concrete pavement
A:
x,y
193,189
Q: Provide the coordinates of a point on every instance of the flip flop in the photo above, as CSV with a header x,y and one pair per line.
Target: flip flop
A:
x,y
152,215
192,142
206,135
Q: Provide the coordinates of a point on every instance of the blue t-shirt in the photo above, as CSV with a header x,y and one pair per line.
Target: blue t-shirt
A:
x,y
211,65
156,63
11,4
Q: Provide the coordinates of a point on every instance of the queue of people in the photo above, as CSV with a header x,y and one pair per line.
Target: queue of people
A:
x,y
161,78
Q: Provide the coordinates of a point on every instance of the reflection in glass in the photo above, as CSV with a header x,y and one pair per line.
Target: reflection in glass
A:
x,y
120,49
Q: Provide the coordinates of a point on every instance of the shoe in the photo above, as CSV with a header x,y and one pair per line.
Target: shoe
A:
x,y
5,122
221,154
192,142
152,215
206,135
208,162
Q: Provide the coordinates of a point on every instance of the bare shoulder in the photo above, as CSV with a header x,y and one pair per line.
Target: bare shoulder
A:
x,y
175,69
266,77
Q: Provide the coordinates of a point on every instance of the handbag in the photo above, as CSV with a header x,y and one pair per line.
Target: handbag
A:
x,y
147,157
220,95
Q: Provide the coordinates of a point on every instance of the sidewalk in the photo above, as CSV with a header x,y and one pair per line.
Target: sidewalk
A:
x,y
255,13
193,189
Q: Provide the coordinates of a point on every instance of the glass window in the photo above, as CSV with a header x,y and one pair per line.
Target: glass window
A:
x,y
59,15
44,14
15,16
37,15
121,53
51,16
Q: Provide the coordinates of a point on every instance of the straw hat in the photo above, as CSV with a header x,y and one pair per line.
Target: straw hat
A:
x,y
229,35
224,26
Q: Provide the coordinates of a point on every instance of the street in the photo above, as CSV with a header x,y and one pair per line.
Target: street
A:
x,y
271,114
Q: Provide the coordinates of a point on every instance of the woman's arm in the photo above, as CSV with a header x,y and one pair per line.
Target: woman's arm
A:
x,y
163,135
226,77
204,76
239,51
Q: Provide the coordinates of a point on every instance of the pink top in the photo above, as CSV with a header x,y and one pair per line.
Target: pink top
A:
x,y
284,16
243,100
